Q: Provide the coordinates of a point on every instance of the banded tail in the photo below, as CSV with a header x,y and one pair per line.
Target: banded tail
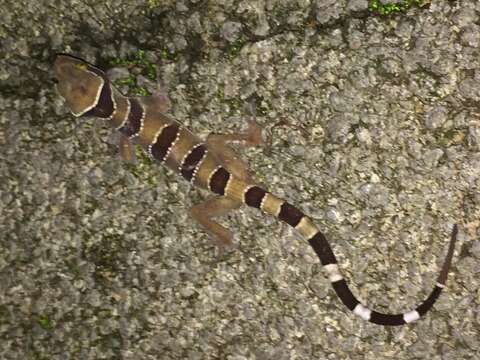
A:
x,y
223,183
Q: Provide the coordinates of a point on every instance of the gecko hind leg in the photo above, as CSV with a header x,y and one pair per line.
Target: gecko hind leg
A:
x,y
206,211
127,149
252,136
203,214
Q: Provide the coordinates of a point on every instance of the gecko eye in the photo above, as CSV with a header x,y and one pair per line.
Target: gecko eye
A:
x,y
81,66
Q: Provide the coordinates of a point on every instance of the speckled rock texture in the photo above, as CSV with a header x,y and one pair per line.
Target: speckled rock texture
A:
x,y
373,128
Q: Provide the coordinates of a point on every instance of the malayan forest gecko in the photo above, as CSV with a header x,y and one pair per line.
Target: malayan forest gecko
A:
x,y
210,165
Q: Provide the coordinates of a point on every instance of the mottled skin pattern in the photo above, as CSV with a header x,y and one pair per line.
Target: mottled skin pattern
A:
x,y
210,165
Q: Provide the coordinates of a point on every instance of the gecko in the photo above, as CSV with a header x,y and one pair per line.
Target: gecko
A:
x,y
211,165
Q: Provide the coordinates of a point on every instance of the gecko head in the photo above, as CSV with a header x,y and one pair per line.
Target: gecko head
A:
x,y
79,83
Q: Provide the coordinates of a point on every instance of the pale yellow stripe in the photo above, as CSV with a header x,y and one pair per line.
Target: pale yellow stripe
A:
x,y
121,112
271,204
236,188
153,123
183,145
306,227
205,171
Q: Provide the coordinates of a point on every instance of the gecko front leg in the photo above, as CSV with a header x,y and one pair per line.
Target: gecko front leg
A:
x,y
127,149
159,100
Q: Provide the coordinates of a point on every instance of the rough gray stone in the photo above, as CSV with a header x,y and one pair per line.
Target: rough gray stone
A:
x,y
372,125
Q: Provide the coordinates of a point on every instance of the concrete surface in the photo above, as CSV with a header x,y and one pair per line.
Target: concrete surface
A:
x,y
375,132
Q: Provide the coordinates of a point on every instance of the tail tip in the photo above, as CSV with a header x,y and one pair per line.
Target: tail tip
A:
x,y
454,231
442,278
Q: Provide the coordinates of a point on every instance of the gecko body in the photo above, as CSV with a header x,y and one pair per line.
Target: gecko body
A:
x,y
210,165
